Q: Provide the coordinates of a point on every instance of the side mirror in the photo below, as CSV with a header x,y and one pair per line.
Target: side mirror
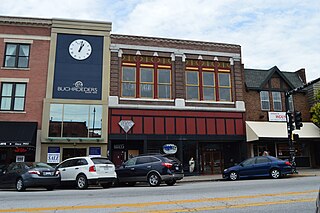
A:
x,y
241,164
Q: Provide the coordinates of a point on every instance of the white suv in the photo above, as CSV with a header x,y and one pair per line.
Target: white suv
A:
x,y
84,171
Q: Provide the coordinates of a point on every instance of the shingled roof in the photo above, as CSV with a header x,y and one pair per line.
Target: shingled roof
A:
x,y
257,78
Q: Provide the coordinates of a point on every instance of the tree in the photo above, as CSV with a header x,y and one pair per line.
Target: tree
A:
x,y
315,110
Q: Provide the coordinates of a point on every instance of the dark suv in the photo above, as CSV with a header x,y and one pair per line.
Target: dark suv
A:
x,y
150,168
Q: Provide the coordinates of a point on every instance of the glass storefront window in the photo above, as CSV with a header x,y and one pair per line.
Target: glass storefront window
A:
x,y
75,120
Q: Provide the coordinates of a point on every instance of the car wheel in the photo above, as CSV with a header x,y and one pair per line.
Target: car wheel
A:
x,y
82,182
20,185
170,182
275,173
106,185
154,179
233,175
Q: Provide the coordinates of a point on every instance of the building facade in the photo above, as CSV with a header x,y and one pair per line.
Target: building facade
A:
x,y
266,125
75,114
176,93
24,53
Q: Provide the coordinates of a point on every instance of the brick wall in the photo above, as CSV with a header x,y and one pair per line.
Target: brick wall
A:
x,y
37,74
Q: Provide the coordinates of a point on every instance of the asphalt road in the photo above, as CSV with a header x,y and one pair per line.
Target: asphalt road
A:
x,y
296,194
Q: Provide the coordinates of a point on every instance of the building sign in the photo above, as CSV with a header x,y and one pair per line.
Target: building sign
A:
x,y
126,125
20,158
277,116
53,155
118,146
78,73
95,151
170,149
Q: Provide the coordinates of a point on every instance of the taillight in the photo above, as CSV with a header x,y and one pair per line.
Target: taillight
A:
x,y
288,163
92,169
35,172
168,165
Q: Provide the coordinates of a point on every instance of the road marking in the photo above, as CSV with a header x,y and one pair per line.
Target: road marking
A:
x,y
146,204
207,208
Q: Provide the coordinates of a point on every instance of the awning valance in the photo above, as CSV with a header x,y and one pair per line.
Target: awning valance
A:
x,y
256,130
18,133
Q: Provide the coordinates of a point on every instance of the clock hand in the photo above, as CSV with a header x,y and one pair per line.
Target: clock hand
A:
x,y
81,46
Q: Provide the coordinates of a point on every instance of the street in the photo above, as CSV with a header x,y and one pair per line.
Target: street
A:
x,y
295,194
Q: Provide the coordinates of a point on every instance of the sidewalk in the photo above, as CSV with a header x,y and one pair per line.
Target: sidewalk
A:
x,y
199,178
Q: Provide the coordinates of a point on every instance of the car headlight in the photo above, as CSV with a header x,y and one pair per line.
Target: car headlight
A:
x,y
225,170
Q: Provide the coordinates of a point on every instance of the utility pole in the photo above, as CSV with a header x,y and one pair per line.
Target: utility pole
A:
x,y
291,118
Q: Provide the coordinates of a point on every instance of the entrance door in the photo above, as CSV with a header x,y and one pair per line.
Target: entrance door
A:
x,y
73,152
211,162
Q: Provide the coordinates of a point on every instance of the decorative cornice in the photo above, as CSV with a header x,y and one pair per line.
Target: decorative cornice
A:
x,y
175,41
39,22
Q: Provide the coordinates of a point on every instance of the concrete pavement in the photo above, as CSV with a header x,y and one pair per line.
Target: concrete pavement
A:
x,y
198,178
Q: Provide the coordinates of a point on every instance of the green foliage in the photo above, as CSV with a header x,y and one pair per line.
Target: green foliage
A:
x,y
315,110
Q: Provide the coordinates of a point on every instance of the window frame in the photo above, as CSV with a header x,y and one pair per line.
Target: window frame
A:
x,y
266,100
17,55
13,96
156,67
193,85
206,67
276,94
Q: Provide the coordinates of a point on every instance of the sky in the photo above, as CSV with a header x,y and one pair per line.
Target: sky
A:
x,y
282,33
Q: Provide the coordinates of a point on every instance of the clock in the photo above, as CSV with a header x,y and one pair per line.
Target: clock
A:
x,y
80,49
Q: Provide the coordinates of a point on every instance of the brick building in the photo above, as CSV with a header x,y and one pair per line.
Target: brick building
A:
x,y
266,115
24,53
178,93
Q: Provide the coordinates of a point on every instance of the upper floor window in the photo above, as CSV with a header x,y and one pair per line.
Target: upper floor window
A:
x,y
277,105
291,106
13,96
75,120
208,81
146,77
264,99
192,79
17,55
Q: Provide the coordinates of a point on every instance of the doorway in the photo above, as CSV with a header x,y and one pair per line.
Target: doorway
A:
x,y
73,152
211,162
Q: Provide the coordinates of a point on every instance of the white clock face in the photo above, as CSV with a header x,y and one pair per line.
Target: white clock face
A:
x,y
80,49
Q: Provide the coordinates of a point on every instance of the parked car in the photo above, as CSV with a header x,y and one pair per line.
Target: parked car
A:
x,y
29,174
85,171
153,169
259,166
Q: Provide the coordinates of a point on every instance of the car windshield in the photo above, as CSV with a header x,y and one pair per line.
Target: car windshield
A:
x,y
101,161
38,165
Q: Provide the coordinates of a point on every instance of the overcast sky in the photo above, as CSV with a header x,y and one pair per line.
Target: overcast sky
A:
x,y
283,33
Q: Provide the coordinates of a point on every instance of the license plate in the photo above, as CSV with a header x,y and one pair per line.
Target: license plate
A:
x,y
47,173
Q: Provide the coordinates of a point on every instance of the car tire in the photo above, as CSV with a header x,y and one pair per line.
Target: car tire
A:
x,y
106,185
154,179
170,182
20,185
82,182
233,176
275,173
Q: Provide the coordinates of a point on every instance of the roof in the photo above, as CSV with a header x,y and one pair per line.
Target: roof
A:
x,y
257,78
267,130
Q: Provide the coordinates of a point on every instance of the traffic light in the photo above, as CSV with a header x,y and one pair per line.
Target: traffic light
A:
x,y
290,121
298,119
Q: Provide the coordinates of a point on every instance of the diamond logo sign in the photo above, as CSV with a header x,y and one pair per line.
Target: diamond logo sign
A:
x,y
126,125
